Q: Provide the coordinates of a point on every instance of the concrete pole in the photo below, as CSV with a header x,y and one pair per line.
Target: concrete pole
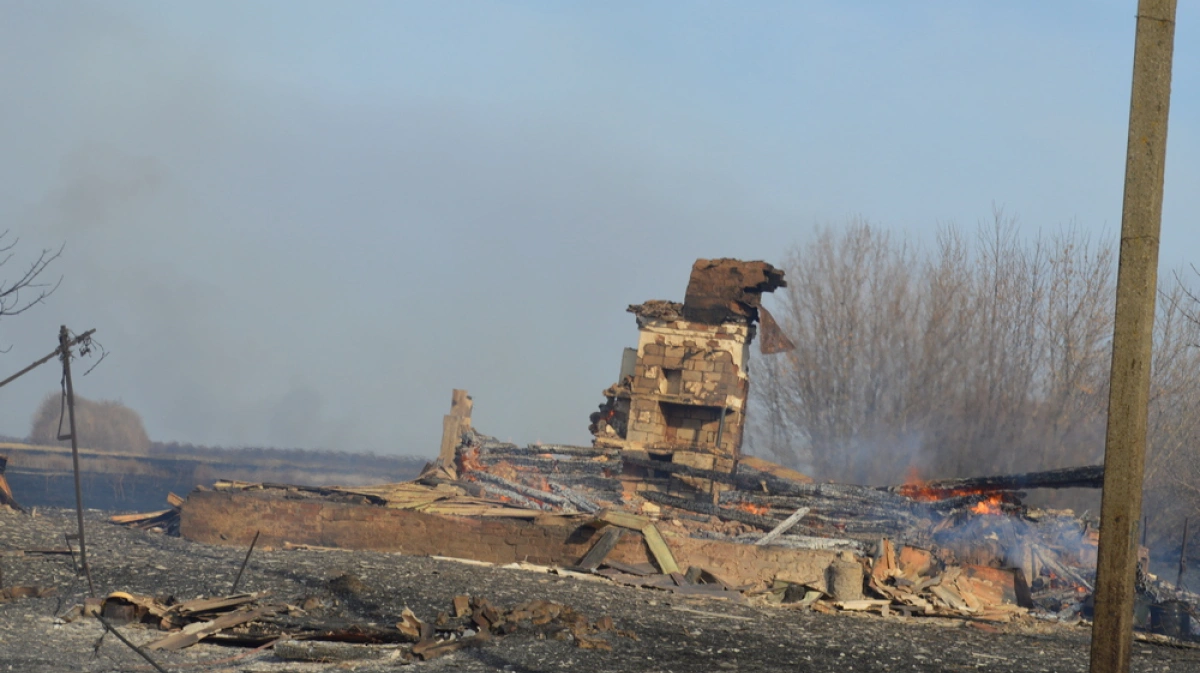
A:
x,y
1137,280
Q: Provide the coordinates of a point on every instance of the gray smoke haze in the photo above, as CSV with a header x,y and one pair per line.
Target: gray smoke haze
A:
x,y
270,267
295,224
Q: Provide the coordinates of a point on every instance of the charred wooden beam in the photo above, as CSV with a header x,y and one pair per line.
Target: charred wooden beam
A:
x,y
548,465
727,513
745,478
1091,476
581,502
831,496
679,468
515,498
527,491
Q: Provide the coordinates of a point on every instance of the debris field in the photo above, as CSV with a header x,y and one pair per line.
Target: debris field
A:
x,y
659,547
665,631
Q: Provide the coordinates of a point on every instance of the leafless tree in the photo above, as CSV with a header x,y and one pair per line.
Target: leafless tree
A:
x,y
27,288
983,353
1172,483
974,354
105,424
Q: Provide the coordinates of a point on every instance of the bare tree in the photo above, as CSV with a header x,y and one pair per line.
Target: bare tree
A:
x,y
105,424
1172,480
27,289
975,354
984,353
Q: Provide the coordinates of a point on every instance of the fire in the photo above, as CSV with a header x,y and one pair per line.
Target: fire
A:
x,y
753,509
468,461
915,488
989,506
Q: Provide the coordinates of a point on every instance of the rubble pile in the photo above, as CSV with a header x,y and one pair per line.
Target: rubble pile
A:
x,y
982,553
666,468
301,633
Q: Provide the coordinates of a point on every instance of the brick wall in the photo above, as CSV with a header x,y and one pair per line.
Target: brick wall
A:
x,y
231,518
685,373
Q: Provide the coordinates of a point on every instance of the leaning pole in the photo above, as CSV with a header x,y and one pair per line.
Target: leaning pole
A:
x,y
1129,391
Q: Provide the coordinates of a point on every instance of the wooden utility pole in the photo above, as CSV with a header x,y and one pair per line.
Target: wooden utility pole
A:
x,y
64,346
1133,325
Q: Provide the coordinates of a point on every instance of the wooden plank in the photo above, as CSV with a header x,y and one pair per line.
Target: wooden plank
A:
x,y
641,569
660,550
600,550
138,517
783,527
950,597
885,561
213,604
623,519
198,631
709,578
174,500
451,437
862,604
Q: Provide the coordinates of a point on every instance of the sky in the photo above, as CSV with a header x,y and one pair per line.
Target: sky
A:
x,y
302,224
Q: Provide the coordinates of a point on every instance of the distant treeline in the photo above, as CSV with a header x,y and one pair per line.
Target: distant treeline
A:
x,y
308,457
111,426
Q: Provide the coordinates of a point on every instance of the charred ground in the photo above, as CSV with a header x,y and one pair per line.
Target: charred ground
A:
x,y
673,634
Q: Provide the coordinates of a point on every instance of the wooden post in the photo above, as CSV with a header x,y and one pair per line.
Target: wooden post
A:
x,y
64,345
1133,324
454,424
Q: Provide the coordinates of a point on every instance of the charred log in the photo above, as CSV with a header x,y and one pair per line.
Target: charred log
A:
x,y
1091,476
527,491
500,448
727,513
546,465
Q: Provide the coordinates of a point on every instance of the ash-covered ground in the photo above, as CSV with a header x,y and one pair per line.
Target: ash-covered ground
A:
x,y
673,634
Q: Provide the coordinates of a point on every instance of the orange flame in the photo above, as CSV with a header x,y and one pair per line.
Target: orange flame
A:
x,y
915,488
989,506
753,509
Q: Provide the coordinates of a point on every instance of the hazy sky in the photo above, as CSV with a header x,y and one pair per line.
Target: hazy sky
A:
x,y
303,223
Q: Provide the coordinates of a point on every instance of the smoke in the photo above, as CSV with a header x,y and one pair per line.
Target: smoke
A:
x,y
275,258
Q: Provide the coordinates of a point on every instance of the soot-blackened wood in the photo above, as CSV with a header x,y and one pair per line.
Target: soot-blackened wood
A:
x,y
1090,476
579,466
679,468
498,449
867,497
527,491
708,508
747,479
600,550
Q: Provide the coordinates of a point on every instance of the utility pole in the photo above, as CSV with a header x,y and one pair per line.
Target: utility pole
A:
x,y
64,341
1133,325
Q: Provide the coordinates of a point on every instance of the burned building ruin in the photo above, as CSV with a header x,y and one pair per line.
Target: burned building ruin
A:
x,y
682,392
